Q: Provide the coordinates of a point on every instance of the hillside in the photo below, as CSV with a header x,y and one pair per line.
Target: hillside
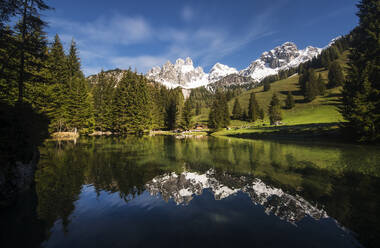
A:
x,y
322,110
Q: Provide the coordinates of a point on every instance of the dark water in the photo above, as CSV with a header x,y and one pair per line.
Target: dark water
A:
x,y
209,192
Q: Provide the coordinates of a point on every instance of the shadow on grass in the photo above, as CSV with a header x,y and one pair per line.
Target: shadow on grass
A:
x,y
305,132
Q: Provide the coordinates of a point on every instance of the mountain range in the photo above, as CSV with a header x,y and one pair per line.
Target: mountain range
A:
x,y
183,187
183,73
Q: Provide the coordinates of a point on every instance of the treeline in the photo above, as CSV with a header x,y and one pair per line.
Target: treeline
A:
x,y
133,104
328,55
219,116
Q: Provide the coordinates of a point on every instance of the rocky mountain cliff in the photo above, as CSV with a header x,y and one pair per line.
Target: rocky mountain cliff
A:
x,y
280,58
183,73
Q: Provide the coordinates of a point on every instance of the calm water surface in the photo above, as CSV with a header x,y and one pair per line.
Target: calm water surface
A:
x,y
209,192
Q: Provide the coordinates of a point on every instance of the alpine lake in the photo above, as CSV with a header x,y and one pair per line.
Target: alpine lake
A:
x,y
163,191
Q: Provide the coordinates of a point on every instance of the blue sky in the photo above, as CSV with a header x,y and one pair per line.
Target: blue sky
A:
x,y
141,34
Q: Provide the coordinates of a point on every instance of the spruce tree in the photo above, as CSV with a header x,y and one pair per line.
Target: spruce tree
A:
x,y
73,61
30,22
219,116
253,108
321,85
173,108
361,92
187,114
311,86
237,111
267,86
335,76
131,106
198,109
289,102
275,114
57,87
79,106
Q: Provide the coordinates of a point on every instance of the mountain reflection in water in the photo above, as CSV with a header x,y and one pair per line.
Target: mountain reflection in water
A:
x,y
182,187
165,192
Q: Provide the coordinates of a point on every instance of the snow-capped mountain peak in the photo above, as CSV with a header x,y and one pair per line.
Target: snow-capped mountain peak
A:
x,y
183,74
280,58
219,71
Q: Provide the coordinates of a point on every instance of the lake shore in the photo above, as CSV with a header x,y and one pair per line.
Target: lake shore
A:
x,y
329,132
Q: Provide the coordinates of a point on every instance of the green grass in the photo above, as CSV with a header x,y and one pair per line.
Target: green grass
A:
x,y
323,110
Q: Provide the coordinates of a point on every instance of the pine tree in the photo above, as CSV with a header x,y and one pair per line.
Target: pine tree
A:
x,y
30,22
131,106
321,85
57,87
361,92
275,114
219,116
173,109
73,62
335,76
311,86
289,102
253,108
79,106
187,114
198,109
267,86
237,111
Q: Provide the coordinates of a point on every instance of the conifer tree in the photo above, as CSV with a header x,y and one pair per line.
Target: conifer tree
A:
x,y
219,116
361,92
321,85
237,111
253,108
187,114
157,107
73,61
267,86
275,114
335,76
289,102
30,22
173,109
131,106
57,87
79,106
198,109
311,86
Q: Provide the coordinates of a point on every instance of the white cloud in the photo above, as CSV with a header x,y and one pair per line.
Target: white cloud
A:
x,y
107,41
116,30
141,63
187,13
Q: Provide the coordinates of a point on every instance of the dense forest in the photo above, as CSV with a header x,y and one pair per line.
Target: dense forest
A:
x,y
39,76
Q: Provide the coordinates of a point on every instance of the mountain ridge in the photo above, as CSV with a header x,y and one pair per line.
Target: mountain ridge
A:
x,y
282,57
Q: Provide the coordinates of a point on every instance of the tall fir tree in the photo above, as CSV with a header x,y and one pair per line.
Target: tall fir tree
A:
x,y
219,116
79,106
361,92
187,115
253,108
173,108
237,112
73,61
275,114
57,87
131,104
289,102
267,86
335,76
30,22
